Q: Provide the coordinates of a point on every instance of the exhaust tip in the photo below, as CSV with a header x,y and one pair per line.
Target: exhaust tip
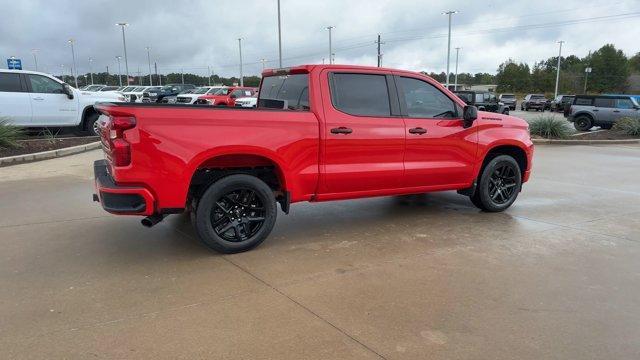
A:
x,y
149,221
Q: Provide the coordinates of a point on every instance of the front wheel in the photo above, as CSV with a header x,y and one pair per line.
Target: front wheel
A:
x,y
583,123
235,214
499,184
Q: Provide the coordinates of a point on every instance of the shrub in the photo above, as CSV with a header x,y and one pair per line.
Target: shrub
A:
x,y
9,134
549,127
630,126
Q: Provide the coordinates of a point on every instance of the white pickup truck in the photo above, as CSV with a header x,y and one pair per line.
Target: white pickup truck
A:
x,y
34,99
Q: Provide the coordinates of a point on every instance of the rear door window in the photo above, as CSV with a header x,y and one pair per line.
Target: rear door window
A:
x,y
604,102
361,94
10,82
294,89
583,101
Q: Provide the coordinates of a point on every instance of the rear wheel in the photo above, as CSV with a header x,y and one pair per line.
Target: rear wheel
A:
x,y
583,123
499,184
235,214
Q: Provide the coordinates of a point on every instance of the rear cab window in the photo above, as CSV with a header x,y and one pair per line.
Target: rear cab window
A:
x,y
293,89
10,82
360,94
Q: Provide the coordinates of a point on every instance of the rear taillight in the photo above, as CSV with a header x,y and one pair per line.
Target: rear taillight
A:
x,y
120,148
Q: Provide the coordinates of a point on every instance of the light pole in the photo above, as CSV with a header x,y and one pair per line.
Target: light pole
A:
x,y
35,57
279,39
149,61
119,71
587,71
240,51
449,13
61,70
455,86
330,46
124,45
558,69
91,71
264,61
74,70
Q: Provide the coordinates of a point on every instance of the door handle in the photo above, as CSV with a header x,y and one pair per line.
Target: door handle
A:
x,y
596,110
418,131
38,98
341,130
616,111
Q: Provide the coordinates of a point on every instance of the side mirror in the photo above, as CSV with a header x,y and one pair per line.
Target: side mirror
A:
x,y
68,91
469,114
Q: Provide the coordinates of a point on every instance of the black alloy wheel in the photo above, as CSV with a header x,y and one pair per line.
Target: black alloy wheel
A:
x,y
499,183
502,183
236,213
582,123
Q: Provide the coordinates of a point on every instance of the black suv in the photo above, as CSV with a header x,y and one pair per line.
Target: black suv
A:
x,y
535,101
167,90
561,101
483,100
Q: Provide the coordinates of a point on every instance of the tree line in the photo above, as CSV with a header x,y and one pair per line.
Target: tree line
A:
x,y
610,70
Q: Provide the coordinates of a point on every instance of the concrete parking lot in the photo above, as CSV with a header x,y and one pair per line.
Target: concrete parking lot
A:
x,y
422,277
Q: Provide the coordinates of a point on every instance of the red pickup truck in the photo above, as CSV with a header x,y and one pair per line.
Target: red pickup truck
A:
x,y
319,132
226,96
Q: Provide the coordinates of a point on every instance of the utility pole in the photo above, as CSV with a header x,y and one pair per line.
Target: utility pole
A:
x,y
209,72
240,51
558,69
379,42
124,45
35,57
182,74
330,45
74,70
587,71
149,61
139,76
264,61
106,82
119,71
91,71
455,86
449,13
279,39
61,70
155,66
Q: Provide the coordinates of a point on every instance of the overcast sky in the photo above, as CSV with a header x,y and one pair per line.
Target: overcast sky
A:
x,y
195,34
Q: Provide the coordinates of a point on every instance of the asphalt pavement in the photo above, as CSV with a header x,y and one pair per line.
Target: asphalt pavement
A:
x,y
421,277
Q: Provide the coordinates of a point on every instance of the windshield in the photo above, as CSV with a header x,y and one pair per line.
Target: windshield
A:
x,y
222,91
213,90
201,90
537,97
94,87
138,89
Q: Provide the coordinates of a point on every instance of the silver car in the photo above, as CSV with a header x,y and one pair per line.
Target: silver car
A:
x,y
588,111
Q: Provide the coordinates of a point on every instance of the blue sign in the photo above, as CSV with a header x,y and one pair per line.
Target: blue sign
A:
x,y
14,64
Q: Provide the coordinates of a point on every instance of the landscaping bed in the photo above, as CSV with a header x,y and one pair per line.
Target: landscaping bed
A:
x,y
38,145
603,135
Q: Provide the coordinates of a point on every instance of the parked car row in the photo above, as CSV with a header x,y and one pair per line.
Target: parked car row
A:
x,y
483,100
538,102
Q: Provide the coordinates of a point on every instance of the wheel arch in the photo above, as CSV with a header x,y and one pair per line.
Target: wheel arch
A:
x,y
516,151
88,110
213,165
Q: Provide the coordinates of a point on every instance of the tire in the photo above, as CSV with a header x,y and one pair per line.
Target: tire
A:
x,y
89,126
235,214
499,184
583,123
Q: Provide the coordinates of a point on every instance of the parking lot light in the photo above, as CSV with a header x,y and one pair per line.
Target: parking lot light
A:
x,y
455,81
240,51
74,70
35,57
558,69
330,45
124,45
148,48
91,71
119,71
449,13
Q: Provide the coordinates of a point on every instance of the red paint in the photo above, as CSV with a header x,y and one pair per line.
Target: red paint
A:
x,y
380,157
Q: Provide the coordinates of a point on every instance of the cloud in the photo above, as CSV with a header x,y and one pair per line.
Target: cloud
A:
x,y
196,34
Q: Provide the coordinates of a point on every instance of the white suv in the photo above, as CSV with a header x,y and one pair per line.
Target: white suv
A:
x,y
34,99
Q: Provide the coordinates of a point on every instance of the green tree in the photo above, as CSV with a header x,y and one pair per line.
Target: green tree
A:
x,y
512,77
610,70
634,63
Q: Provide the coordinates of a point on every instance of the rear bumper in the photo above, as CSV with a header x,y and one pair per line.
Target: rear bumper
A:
x,y
121,200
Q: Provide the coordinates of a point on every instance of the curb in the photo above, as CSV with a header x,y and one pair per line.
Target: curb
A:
x,y
51,154
585,142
